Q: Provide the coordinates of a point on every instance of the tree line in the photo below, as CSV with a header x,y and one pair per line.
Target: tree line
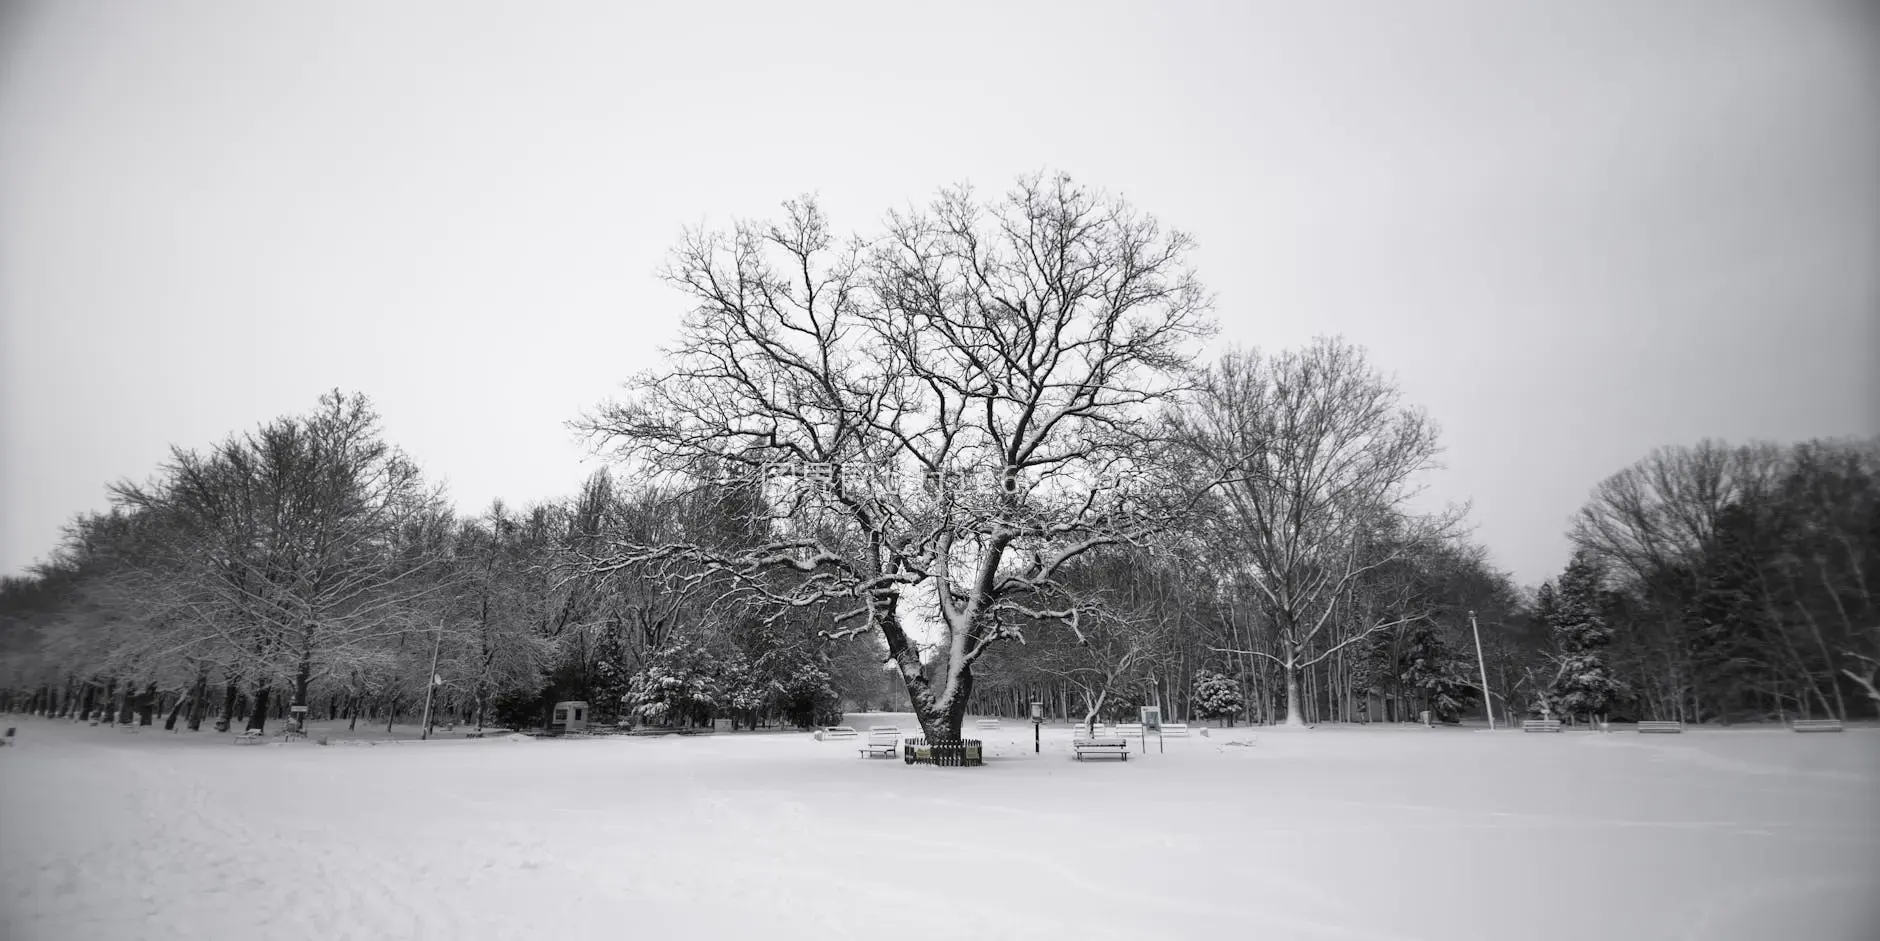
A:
x,y
789,530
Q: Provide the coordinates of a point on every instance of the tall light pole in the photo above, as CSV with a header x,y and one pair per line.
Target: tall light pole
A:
x,y
430,684
1488,701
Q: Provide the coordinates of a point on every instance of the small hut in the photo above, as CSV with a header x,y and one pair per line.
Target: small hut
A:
x,y
569,717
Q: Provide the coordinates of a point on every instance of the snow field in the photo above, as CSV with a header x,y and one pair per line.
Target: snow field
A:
x,y
1334,833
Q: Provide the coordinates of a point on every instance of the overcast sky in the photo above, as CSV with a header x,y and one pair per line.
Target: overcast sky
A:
x,y
1574,231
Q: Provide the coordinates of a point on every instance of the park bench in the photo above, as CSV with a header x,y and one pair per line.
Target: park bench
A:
x,y
884,741
1100,746
251,737
1816,725
1129,728
1540,725
835,732
990,724
1175,730
1655,725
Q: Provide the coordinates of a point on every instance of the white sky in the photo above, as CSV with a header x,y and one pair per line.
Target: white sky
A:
x,y
1574,231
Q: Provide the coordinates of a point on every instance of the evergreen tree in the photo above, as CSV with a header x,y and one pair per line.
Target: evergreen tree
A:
x,y
746,695
1727,622
1217,696
806,698
680,686
1583,685
1437,672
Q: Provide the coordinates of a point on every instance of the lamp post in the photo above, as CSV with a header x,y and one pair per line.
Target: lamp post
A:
x,y
430,684
1488,701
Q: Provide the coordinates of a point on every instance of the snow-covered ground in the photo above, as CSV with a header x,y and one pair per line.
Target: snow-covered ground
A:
x,y
1378,833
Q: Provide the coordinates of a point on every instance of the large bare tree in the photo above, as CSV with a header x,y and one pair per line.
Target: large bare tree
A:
x,y
297,543
1019,341
1661,513
1319,462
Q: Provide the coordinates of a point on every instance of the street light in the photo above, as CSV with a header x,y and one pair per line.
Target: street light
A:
x,y
1488,701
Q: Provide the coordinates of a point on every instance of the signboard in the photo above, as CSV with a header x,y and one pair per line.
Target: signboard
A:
x,y
1152,719
1037,712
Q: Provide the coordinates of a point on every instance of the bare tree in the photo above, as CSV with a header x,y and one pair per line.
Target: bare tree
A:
x,y
1020,340
1662,512
300,540
1116,645
1866,679
1319,462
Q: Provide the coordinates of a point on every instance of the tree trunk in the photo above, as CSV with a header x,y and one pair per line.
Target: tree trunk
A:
x,y
303,677
1294,718
169,724
258,716
147,705
227,720
199,701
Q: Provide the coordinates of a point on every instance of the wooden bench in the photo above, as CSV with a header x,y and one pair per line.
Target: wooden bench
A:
x,y
988,723
1174,730
1656,725
1100,746
1816,725
884,741
1540,725
1129,728
835,732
